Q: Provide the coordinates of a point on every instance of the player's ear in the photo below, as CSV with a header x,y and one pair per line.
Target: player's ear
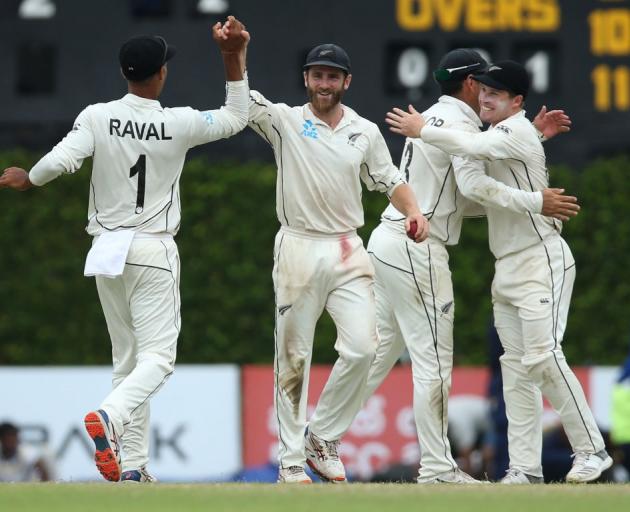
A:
x,y
518,101
305,73
346,82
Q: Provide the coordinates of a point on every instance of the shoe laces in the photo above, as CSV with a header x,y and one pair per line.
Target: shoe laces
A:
x,y
580,458
332,447
145,474
512,473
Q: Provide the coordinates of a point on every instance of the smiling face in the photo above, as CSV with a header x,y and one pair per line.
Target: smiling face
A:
x,y
325,87
497,105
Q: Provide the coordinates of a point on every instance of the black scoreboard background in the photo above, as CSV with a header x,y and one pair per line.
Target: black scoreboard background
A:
x,y
576,50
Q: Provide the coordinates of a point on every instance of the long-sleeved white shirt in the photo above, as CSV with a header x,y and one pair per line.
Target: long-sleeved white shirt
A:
x,y
318,188
515,157
139,149
446,185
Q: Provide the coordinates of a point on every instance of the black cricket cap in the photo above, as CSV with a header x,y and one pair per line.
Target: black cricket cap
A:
x,y
457,64
328,55
142,56
506,75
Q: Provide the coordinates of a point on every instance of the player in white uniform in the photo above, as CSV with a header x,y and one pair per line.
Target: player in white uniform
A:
x,y
324,150
533,282
414,292
139,149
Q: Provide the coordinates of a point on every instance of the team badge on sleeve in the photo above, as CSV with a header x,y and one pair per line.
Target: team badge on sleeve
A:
x,y
503,128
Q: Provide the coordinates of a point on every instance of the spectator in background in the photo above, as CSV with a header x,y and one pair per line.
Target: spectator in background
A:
x,y
468,427
19,462
620,414
497,440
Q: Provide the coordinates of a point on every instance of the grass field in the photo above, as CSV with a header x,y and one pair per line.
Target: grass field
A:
x,y
281,498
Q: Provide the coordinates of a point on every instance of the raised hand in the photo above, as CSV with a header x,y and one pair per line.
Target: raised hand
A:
x,y
559,206
552,123
231,36
404,123
16,178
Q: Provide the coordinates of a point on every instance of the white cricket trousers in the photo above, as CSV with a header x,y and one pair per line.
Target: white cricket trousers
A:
x,y
142,311
312,272
415,308
531,293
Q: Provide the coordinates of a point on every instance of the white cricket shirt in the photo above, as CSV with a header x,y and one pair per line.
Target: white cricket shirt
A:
x,y
446,185
139,149
319,168
515,157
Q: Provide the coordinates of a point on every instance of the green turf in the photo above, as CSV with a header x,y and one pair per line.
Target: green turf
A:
x,y
324,498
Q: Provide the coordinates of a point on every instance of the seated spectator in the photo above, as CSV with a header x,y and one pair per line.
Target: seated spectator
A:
x,y
19,462
620,416
468,427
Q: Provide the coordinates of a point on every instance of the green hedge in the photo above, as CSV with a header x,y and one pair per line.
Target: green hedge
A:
x,y
50,313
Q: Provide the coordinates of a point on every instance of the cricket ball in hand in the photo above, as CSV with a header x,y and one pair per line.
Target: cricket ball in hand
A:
x,y
411,233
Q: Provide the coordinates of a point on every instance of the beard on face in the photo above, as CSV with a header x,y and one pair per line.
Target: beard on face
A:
x,y
324,105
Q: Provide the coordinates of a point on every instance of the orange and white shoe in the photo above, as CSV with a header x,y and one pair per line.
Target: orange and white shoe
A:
x,y
293,475
107,446
323,458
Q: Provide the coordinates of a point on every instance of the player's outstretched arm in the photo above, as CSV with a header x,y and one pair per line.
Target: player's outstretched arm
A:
x,y
16,178
551,123
559,206
409,124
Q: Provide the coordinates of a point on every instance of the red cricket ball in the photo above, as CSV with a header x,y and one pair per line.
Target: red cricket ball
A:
x,y
412,230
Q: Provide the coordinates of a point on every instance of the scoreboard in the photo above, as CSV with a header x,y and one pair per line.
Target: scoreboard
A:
x,y
577,51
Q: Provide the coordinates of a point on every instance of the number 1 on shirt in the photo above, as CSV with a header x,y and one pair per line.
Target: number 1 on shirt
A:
x,y
139,168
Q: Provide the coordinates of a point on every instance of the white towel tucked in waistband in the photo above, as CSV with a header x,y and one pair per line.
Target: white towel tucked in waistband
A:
x,y
108,254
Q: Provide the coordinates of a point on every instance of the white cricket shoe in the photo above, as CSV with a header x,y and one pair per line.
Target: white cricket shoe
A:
x,y
323,458
588,466
517,477
138,476
293,475
456,476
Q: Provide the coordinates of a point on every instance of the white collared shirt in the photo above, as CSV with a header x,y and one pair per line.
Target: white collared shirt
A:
x,y
139,149
515,157
318,187
446,185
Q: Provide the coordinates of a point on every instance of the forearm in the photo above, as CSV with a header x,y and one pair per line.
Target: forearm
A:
x,y
237,103
233,65
47,169
474,184
404,200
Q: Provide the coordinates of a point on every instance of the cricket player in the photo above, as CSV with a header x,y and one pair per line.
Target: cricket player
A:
x,y
134,212
533,281
323,150
414,292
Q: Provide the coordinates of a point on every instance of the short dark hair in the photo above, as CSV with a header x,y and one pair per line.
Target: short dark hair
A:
x,y
7,428
452,87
